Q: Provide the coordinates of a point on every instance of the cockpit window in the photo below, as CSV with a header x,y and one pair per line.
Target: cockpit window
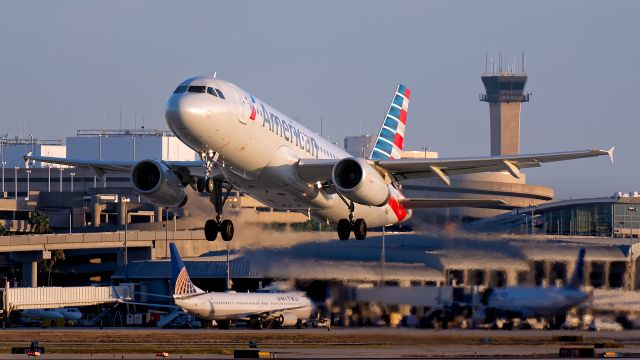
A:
x,y
212,91
197,89
180,89
220,93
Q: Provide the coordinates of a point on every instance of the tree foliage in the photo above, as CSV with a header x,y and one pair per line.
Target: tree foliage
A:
x,y
39,223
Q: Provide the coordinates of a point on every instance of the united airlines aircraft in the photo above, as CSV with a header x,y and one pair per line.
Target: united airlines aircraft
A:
x,y
246,144
260,309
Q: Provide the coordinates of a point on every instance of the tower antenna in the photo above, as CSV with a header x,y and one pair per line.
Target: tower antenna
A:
x,y
486,62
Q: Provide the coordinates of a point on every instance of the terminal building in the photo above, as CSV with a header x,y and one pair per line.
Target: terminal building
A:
x,y
616,216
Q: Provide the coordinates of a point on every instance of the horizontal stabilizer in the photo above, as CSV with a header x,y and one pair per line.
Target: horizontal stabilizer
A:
x,y
427,203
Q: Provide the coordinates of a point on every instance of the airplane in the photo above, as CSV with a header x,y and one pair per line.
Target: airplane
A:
x,y
534,302
246,144
37,315
259,309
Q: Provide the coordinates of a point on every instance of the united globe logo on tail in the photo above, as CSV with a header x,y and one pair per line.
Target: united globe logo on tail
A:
x,y
181,280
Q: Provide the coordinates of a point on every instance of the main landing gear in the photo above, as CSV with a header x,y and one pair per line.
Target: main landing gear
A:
x,y
218,198
345,226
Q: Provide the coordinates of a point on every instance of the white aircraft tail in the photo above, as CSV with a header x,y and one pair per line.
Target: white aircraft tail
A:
x,y
391,136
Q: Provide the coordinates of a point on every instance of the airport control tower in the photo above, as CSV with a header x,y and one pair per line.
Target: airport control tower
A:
x,y
505,92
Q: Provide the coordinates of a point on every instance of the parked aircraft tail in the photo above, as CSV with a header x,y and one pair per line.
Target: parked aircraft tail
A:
x,y
577,279
181,281
391,136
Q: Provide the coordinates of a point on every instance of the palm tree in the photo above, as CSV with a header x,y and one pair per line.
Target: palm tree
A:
x,y
47,265
39,223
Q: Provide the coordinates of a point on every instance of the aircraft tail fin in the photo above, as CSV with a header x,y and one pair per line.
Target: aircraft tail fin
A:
x,y
577,279
181,281
391,136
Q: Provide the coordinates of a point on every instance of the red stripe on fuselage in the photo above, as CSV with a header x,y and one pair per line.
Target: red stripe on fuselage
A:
x,y
398,209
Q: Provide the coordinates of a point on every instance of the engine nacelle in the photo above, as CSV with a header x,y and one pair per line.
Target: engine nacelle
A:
x,y
360,182
158,184
287,319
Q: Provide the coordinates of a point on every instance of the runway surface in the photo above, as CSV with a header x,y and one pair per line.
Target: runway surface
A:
x,y
122,343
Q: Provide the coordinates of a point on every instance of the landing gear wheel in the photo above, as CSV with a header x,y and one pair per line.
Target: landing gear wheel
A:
x,y
226,230
218,195
211,230
360,229
344,229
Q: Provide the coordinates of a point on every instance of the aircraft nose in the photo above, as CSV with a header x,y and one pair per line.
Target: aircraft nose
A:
x,y
185,112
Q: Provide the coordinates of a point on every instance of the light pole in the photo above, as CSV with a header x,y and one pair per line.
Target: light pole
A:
x,y
125,201
15,181
60,179
72,175
2,161
49,182
3,164
166,232
28,171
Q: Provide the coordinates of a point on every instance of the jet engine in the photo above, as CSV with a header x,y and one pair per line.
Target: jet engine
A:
x,y
158,184
287,319
360,182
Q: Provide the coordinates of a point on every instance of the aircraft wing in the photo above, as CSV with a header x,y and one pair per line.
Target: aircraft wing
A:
x,y
427,203
195,168
314,170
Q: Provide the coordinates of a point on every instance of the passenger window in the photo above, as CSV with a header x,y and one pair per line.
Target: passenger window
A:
x,y
180,89
220,93
196,89
212,91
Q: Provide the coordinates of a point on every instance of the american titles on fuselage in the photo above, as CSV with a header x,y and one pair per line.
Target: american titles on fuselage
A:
x,y
291,133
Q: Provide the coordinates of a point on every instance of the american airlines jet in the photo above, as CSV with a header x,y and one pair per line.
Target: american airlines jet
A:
x,y
260,309
246,144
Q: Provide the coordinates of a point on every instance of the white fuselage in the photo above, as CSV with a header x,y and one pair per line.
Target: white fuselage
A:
x,y
535,301
243,306
258,149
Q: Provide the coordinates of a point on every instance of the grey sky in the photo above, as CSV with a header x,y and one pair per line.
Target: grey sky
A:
x,y
66,65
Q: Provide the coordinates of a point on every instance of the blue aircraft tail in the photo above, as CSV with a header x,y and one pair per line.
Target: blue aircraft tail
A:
x,y
181,281
390,139
577,279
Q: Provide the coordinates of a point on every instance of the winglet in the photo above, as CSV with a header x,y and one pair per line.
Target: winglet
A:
x,y
610,153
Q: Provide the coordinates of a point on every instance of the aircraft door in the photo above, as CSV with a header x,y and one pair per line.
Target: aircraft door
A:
x,y
244,108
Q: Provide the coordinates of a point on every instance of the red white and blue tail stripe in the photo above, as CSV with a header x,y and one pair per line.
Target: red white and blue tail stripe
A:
x,y
391,137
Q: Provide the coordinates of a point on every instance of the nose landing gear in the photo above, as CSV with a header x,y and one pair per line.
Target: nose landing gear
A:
x,y
345,226
218,198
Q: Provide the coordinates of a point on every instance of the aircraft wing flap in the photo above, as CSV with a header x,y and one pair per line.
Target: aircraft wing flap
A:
x,y
430,203
416,168
313,170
